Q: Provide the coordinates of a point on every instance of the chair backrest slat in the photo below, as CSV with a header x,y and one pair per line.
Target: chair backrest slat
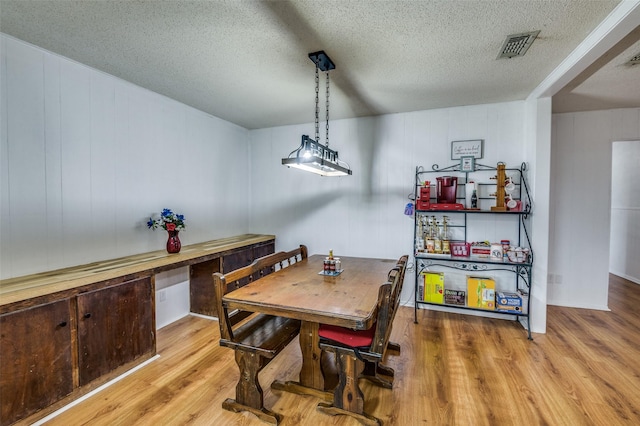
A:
x,y
257,269
397,290
384,317
388,302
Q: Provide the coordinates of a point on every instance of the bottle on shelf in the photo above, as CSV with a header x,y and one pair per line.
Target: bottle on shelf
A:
x,y
446,247
429,240
437,239
468,190
474,200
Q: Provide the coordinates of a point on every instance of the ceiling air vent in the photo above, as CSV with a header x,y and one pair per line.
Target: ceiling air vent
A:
x,y
635,60
517,44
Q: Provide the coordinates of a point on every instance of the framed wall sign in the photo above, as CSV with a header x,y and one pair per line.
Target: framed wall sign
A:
x,y
467,164
470,148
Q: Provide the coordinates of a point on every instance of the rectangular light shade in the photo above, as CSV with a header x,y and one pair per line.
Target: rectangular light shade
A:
x,y
316,165
316,158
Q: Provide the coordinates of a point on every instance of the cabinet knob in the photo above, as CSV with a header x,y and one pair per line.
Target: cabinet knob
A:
x,y
87,315
62,324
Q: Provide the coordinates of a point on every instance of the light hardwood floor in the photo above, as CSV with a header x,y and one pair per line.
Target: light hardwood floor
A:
x,y
453,370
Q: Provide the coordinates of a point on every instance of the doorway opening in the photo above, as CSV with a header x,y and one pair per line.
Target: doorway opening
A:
x,y
624,236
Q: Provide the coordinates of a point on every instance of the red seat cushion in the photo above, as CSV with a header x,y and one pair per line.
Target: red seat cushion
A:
x,y
346,336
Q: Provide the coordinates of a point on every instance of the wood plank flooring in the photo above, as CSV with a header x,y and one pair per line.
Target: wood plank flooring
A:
x,y
453,370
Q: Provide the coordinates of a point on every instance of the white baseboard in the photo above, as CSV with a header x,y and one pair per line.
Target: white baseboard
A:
x,y
203,316
626,277
93,392
569,305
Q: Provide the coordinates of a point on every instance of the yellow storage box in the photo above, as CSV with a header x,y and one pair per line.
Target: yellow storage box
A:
x,y
481,292
434,287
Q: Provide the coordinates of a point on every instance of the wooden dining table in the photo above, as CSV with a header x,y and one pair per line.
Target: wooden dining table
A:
x,y
301,292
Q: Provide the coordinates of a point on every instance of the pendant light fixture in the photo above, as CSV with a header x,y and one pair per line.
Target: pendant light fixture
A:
x,y
311,155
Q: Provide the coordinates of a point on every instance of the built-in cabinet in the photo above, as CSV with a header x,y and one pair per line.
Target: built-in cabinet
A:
x,y
201,291
116,325
51,350
469,262
37,364
64,333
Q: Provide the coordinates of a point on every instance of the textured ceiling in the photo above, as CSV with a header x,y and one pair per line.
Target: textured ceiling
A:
x,y
246,61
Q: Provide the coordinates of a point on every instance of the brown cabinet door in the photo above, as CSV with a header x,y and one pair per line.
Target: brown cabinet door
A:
x,y
264,249
116,325
236,260
201,283
261,250
36,366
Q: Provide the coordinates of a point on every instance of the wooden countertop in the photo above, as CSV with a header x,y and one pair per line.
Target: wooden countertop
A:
x,y
29,286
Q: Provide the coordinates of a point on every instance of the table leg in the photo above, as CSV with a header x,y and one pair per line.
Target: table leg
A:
x,y
311,377
311,371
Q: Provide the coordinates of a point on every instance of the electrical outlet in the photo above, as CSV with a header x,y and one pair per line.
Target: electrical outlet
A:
x,y
551,278
162,296
558,279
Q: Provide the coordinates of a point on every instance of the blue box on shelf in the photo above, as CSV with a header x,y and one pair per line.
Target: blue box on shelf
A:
x,y
508,302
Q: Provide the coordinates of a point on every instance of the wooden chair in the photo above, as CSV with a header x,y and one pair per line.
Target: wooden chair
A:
x,y
354,348
372,370
255,338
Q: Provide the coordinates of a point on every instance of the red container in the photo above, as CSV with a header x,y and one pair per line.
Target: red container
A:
x,y
460,248
424,202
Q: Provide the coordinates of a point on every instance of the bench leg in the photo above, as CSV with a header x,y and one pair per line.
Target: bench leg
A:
x,y
249,396
348,398
311,374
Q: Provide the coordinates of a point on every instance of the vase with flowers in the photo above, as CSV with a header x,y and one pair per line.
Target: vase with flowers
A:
x,y
171,222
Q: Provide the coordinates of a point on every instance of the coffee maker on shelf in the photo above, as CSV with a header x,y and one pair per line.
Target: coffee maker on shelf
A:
x,y
446,191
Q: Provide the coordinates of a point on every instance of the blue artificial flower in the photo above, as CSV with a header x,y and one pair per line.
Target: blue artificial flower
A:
x,y
168,219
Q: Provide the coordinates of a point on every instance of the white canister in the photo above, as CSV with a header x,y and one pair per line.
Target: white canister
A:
x,y
496,251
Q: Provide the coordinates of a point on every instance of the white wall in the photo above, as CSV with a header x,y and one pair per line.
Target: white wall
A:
x,y
581,203
172,296
363,215
538,148
624,252
85,158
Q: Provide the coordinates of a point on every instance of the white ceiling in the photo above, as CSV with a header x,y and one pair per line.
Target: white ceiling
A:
x,y
246,61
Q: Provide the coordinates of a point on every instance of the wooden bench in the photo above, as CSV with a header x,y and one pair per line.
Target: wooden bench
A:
x,y
354,349
255,338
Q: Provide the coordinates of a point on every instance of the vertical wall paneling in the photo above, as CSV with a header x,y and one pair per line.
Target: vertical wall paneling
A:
x,y
75,100
85,159
25,154
143,157
103,165
5,223
53,167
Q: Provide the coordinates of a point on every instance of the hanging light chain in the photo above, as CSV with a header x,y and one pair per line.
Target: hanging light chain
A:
x,y
317,104
327,105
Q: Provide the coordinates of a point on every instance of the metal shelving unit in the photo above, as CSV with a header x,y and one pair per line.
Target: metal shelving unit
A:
x,y
522,272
